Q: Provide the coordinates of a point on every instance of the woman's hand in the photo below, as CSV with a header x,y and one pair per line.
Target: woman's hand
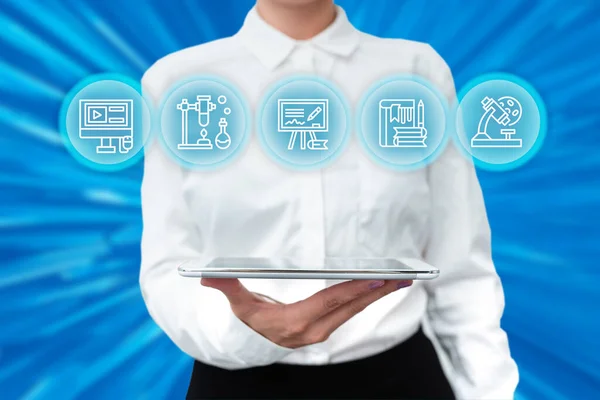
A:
x,y
308,321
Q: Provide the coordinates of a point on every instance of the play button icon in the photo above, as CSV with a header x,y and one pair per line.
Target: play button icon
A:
x,y
97,114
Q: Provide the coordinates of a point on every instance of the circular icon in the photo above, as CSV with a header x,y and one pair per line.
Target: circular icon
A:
x,y
105,122
204,123
402,122
303,122
500,121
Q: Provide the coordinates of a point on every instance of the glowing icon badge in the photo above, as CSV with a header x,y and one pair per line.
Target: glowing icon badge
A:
x,y
401,122
204,122
500,121
105,122
303,122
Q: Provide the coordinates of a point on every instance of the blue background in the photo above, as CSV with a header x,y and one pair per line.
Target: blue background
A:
x,y
72,320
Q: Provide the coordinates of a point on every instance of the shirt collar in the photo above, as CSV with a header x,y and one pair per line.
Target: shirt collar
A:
x,y
273,47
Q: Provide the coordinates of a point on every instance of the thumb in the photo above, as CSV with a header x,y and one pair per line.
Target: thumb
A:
x,y
233,289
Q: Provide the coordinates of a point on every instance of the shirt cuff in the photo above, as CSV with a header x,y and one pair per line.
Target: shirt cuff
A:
x,y
250,347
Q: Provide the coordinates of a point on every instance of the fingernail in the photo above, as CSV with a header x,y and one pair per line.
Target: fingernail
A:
x,y
403,284
376,284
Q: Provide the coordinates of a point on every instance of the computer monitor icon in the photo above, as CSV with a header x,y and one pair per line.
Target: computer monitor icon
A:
x,y
304,117
107,120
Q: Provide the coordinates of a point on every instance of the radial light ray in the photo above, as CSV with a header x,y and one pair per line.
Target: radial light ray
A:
x,y
74,325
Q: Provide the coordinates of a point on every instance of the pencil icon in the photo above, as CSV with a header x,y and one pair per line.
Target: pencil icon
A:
x,y
314,114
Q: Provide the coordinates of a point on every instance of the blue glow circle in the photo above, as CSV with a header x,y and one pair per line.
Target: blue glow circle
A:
x,y
105,122
392,136
517,104
288,107
215,134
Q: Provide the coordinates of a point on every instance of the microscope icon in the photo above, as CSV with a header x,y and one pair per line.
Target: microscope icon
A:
x,y
506,111
204,107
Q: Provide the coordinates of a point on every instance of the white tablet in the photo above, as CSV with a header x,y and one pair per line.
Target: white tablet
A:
x,y
326,268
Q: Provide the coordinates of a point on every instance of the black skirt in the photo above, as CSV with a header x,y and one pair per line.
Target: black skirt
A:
x,y
411,370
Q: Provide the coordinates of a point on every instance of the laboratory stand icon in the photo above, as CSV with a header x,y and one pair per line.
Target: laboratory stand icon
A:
x,y
506,111
109,121
402,123
203,108
302,118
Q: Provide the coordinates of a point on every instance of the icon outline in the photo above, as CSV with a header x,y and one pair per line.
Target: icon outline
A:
x,y
505,111
303,86
107,128
406,135
203,106
296,116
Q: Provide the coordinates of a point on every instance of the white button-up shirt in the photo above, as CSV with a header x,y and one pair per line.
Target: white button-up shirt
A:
x,y
254,207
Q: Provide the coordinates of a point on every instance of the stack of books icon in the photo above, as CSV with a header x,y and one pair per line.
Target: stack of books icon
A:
x,y
402,123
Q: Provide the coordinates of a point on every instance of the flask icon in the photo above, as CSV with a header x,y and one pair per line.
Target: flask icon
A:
x,y
223,140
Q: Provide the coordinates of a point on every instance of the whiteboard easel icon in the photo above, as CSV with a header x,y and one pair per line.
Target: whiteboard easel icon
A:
x,y
303,118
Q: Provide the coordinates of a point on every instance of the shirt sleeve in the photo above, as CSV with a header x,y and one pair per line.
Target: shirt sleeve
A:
x,y
197,319
466,302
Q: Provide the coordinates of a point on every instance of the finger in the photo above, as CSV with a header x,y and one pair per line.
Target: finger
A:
x,y
267,298
233,289
330,322
329,299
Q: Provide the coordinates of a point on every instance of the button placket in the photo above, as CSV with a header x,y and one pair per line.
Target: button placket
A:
x,y
312,204
303,59
312,186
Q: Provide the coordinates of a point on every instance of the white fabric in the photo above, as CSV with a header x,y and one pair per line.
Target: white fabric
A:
x,y
255,207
